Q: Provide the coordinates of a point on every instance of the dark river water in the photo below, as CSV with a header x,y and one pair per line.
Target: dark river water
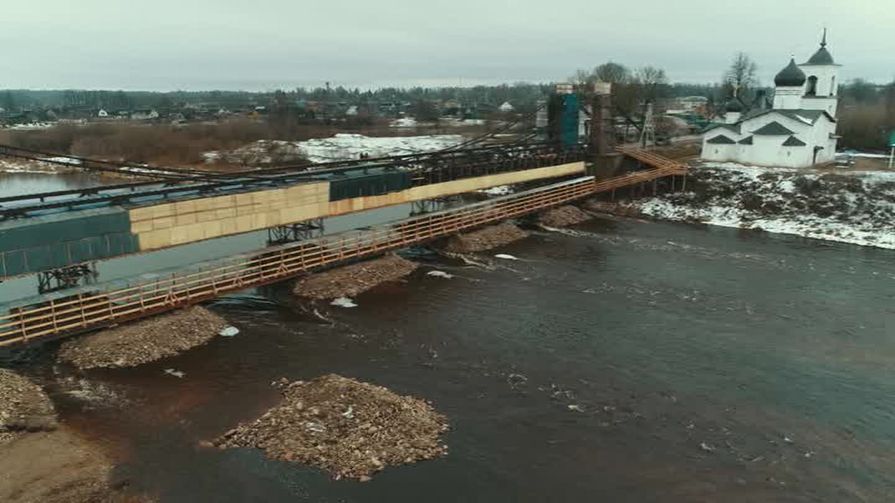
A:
x,y
621,361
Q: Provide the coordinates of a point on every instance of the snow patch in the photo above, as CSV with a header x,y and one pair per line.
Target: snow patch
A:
x,y
500,190
230,331
856,207
341,147
343,302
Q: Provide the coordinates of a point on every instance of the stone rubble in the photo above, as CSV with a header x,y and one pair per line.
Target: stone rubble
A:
x,y
23,406
143,341
354,279
484,239
349,428
563,216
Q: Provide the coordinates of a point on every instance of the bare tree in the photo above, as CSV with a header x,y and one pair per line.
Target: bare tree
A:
x,y
612,72
741,77
650,81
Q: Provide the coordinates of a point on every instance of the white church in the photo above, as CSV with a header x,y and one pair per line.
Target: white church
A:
x,y
798,130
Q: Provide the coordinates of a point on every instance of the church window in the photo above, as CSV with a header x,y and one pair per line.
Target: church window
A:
x,y
833,86
812,86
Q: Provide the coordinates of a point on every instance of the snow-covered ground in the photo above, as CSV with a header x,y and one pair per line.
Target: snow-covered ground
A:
x,y
341,147
853,207
20,166
410,122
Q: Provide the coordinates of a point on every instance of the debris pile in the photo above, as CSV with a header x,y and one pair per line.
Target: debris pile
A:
x,y
351,280
484,239
143,341
620,208
348,428
563,216
23,405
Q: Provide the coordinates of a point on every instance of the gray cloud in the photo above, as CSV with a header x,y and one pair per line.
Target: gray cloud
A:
x,y
264,44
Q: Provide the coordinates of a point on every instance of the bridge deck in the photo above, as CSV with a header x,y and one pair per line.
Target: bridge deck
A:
x,y
90,311
83,312
57,230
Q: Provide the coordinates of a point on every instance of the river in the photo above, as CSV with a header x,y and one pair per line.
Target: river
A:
x,y
621,361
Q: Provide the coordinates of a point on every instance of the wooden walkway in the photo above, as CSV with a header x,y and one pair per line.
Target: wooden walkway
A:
x,y
90,311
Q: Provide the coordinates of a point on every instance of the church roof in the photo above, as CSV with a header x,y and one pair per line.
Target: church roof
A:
x,y
791,76
772,129
735,128
822,56
746,141
792,141
808,117
721,140
802,116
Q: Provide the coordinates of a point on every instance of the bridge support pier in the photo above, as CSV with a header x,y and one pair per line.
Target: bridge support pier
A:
x,y
67,277
429,205
292,233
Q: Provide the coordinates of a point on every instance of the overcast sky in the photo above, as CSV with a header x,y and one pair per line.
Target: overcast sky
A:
x,y
268,44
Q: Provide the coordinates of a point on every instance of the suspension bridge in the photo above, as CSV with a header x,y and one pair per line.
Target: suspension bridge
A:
x,y
59,236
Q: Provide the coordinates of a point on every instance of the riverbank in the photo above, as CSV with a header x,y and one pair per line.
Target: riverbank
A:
x,y
41,461
856,207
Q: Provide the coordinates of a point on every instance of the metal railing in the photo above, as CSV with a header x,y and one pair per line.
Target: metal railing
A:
x,y
425,168
89,311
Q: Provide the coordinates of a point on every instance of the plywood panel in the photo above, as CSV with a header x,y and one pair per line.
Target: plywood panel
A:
x,y
154,240
162,223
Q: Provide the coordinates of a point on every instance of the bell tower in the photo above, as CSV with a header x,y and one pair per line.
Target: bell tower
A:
x,y
821,85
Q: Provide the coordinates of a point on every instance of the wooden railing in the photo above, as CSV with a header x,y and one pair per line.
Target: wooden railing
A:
x,y
88,311
94,310
655,160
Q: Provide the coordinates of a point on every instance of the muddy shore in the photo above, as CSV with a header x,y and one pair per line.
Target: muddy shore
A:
x,y
42,461
348,428
143,341
354,279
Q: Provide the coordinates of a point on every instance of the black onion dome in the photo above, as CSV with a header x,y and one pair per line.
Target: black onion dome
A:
x,y
791,76
734,105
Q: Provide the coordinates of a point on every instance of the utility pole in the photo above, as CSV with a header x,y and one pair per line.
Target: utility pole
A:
x,y
648,133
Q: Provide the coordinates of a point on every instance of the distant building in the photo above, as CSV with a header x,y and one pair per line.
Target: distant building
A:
x,y
144,115
102,114
690,104
506,107
798,131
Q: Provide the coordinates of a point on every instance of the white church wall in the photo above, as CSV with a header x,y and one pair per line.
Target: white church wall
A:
x,y
771,152
719,153
820,136
788,98
826,78
827,105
